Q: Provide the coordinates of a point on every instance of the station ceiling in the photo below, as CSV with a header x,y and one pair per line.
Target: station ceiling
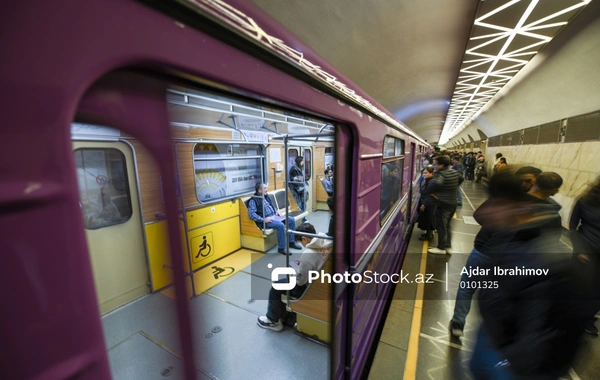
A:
x,y
432,63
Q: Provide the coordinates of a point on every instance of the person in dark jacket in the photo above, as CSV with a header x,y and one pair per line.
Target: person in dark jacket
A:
x,y
480,170
469,166
426,205
297,183
444,184
585,236
456,165
331,205
265,215
531,323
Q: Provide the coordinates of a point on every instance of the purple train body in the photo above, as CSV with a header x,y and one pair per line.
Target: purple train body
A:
x,y
66,59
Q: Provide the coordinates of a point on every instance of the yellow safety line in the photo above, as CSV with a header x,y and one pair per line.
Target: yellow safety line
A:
x,y
410,369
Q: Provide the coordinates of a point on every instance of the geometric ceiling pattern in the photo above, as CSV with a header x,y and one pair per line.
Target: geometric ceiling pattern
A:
x,y
506,35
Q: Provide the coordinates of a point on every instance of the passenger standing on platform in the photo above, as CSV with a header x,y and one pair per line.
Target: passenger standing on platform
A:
x,y
585,236
444,185
531,323
298,184
255,212
469,166
456,165
527,175
313,258
497,160
502,164
480,168
426,205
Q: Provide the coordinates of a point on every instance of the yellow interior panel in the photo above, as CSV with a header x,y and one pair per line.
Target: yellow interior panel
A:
x,y
212,213
214,241
158,254
313,328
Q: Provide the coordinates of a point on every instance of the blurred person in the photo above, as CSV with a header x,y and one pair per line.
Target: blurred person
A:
x,y
527,175
531,325
503,187
546,185
480,168
390,186
456,165
426,205
584,226
316,252
497,160
502,164
444,184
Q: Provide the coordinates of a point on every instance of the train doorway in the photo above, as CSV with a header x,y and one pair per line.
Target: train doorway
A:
x,y
111,209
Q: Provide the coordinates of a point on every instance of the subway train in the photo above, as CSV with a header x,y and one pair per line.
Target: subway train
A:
x,y
133,134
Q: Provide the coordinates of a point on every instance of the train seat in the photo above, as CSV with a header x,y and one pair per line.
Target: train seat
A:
x,y
279,200
313,308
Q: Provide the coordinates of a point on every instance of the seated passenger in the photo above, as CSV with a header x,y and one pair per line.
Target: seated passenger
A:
x,y
327,182
270,218
313,258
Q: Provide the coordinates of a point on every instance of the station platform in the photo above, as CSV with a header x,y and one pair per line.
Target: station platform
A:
x,y
415,342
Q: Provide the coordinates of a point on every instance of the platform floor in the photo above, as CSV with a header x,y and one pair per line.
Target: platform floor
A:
x,y
415,342
142,341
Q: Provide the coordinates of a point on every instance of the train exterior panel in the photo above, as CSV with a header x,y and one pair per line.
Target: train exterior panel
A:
x,y
111,64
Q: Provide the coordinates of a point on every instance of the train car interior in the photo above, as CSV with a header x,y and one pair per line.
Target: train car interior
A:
x,y
223,147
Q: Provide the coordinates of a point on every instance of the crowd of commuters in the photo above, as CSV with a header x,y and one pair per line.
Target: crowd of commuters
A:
x,y
532,325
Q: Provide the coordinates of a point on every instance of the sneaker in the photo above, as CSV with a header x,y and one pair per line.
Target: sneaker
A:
x,y
283,252
436,251
449,250
266,323
590,328
295,246
456,329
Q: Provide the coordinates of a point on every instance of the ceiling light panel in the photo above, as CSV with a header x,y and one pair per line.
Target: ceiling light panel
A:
x,y
506,35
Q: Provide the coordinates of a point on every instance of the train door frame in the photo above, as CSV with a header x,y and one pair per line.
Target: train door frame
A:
x,y
136,241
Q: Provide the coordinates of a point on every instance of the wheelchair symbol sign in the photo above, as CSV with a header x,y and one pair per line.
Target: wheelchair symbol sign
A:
x,y
202,247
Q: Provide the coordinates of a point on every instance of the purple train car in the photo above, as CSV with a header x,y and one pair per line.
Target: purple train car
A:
x,y
134,133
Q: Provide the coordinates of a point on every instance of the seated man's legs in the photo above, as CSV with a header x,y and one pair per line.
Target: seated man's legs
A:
x,y
292,225
280,228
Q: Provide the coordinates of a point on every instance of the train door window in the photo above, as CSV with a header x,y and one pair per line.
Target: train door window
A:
x,y
226,170
103,187
292,154
416,164
307,164
391,175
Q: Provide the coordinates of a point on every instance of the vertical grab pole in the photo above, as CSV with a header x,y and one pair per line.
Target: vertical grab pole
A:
x,y
185,225
287,224
262,193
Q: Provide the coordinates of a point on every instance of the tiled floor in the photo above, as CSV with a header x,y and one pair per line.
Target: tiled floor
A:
x,y
142,339
440,355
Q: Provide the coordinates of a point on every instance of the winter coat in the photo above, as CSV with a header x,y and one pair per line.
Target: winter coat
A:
x,y
444,184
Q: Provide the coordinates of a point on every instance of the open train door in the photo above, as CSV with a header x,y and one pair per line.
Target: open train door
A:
x,y
111,210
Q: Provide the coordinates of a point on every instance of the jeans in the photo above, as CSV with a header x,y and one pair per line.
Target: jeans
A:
x,y
280,227
459,195
443,218
464,295
486,359
276,308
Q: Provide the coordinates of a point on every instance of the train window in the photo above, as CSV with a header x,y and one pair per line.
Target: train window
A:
x,y
307,165
226,170
399,151
391,186
103,187
389,146
292,154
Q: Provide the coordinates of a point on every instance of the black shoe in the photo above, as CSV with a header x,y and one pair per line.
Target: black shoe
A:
x,y
295,246
456,329
591,328
426,237
459,205
282,251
